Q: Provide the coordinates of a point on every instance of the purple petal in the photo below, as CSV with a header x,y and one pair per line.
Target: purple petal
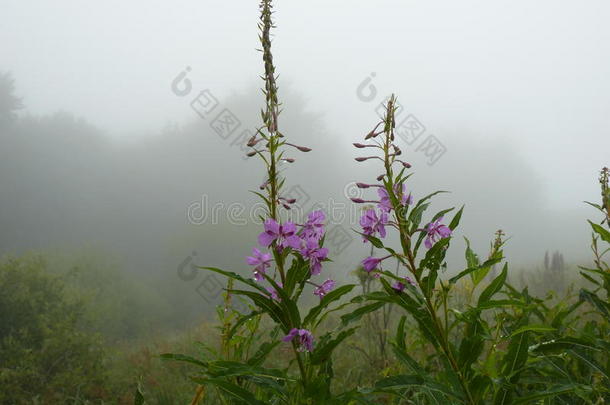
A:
x,y
266,238
293,332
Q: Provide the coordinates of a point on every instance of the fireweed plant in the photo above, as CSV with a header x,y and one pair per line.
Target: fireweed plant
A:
x,y
288,258
500,346
490,351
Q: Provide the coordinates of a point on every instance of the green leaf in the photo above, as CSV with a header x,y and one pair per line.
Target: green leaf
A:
x,y
399,381
240,321
512,363
456,219
233,390
400,333
234,276
328,299
359,312
590,362
499,303
296,275
559,390
404,381
374,241
323,352
604,234
183,358
477,267
593,299
561,345
494,286
261,354
532,328
472,260
138,397
226,368
269,306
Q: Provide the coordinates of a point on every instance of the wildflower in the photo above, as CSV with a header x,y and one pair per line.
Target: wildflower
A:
x,y
284,235
261,260
399,286
304,336
314,227
315,254
434,230
371,263
324,289
405,199
384,198
372,224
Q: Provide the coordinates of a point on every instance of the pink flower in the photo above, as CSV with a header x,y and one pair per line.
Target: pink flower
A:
x,y
324,289
400,286
314,227
305,338
436,229
372,224
284,235
262,261
371,263
315,254
401,192
384,200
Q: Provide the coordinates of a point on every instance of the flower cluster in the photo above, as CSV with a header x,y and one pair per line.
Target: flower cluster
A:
x,y
394,197
304,241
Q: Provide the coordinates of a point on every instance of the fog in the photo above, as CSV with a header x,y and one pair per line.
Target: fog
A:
x,y
108,153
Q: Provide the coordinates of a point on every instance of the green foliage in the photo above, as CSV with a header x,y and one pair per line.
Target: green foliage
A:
x,y
44,353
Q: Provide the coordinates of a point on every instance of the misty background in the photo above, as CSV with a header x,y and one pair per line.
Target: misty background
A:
x,y
105,159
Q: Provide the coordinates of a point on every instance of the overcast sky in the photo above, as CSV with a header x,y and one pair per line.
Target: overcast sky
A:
x,y
532,73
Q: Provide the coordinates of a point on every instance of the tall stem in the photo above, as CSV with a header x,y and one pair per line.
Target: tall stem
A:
x,y
405,241
270,117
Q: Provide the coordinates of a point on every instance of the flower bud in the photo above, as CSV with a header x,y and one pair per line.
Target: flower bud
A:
x,y
301,148
371,134
380,177
253,141
357,200
363,185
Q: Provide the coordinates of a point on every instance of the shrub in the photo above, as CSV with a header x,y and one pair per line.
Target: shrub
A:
x,y
44,354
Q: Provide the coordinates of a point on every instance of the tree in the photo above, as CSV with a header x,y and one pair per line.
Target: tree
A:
x,y
9,103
